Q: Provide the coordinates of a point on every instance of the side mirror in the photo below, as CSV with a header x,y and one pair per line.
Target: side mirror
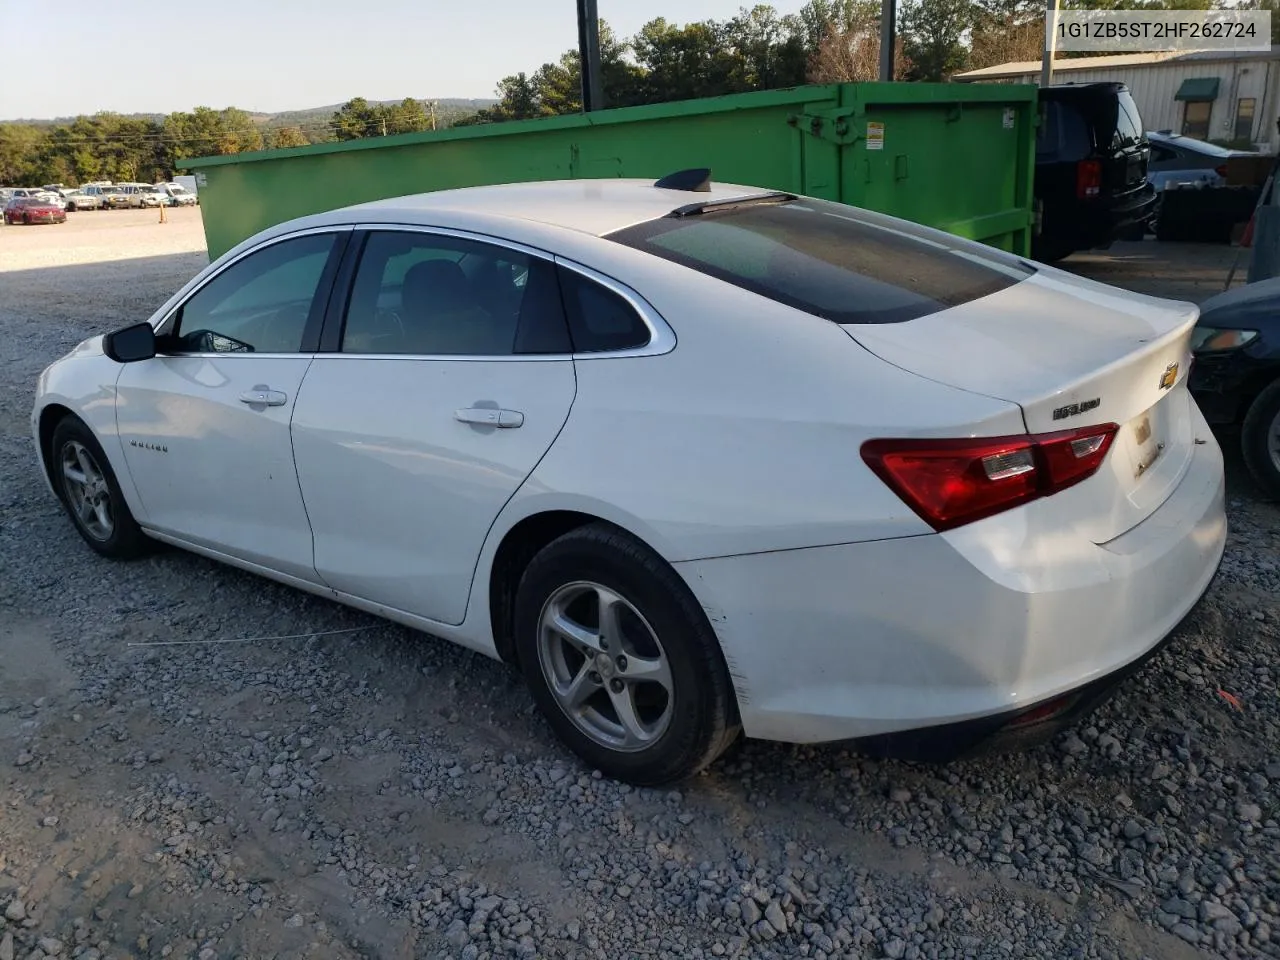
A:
x,y
131,344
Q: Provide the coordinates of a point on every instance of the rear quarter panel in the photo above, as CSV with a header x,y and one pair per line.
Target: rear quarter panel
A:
x,y
745,437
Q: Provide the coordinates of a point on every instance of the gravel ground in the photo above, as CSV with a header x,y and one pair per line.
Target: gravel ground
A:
x,y
382,794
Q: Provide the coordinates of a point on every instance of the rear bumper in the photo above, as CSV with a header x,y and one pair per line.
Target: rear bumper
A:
x,y
1017,729
866,640
1088,223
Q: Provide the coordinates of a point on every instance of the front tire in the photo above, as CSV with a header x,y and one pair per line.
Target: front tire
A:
x,y
1260,440
91,494
621,659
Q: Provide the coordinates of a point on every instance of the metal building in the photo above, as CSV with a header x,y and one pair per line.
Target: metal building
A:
x,y
1210,95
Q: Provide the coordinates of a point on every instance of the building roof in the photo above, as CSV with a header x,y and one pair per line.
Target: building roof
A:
x,y
1020,68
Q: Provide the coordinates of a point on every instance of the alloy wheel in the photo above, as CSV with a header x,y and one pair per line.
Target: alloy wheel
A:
x,y
605,666
87,490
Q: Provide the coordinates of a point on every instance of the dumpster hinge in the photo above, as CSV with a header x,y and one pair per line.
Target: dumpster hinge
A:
x,y
835,124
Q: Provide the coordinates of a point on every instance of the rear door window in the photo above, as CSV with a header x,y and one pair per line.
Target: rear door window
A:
x,y
429,294
831,260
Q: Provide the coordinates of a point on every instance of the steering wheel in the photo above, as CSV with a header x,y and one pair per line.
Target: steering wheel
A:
x,y
285,325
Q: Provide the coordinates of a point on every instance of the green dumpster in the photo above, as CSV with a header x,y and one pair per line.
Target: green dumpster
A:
x,y
954,156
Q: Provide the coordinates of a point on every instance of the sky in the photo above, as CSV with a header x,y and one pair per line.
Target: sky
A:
x,y
273,55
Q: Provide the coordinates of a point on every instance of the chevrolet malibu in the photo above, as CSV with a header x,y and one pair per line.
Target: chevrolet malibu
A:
x,y
699,459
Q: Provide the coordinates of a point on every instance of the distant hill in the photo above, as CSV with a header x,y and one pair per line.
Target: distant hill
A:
x,y
313,114
287,118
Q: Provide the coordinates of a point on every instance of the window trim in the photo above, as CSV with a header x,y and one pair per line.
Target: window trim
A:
x,y
662,338
310,338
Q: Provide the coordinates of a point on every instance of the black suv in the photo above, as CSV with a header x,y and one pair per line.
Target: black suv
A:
x,y
1091,169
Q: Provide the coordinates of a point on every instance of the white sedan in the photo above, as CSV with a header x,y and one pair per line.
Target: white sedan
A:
x,y
700,459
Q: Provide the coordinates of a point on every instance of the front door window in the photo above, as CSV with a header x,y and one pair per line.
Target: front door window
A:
x,y
261,304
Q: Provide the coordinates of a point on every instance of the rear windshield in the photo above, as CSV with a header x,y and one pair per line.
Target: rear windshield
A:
x,y
838,262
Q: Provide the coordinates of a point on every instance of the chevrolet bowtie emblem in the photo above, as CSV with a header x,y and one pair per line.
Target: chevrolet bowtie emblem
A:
x,y
1169,377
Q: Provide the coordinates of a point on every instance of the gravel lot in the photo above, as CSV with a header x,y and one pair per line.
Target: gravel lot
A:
x,y
381,794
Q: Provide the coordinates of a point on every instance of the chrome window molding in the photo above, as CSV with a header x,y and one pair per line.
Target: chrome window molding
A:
x,y
662,338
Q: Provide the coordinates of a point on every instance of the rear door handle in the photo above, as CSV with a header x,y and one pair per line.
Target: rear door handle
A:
x,y
490,417
264,397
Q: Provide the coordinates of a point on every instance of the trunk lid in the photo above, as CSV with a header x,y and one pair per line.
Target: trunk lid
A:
x,y
1070,353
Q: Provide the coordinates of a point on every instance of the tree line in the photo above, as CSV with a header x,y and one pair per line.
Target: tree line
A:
x,y
826,41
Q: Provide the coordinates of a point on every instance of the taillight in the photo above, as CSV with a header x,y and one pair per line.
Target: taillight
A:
x,y
1220,170
1088,179
951,482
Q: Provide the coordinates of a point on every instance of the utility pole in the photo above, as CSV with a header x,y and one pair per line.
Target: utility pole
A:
x,y
1050,42
384,126
432,104
589,55
888,37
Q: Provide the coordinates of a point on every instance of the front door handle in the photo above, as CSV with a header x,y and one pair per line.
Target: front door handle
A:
x,y
261,396
490,417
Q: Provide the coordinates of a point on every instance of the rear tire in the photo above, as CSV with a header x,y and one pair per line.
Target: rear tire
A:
x,y
1260,440
658,706
90,493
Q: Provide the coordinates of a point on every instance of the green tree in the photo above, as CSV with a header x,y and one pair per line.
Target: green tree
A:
x,y
933,33
682,63
408,116
355,119
287,137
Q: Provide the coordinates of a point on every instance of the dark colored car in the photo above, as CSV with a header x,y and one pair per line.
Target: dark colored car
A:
x,y
1091,169
1236,374
33,210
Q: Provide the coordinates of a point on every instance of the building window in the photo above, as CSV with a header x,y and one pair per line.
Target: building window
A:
x,y
1244,118
1195,120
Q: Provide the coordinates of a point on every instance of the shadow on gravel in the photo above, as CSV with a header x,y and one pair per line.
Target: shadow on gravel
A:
x,y
110,285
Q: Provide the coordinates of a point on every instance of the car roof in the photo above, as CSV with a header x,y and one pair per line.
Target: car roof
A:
x,y
595,207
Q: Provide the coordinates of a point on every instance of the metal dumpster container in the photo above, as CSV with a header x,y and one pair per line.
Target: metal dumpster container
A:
x,y
959,157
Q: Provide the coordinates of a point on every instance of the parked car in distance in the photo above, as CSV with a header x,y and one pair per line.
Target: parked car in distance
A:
x,y
31,210
40,193
82,199
153,197
1236,376
729,437
116,197
1184,160
179,195
1091,169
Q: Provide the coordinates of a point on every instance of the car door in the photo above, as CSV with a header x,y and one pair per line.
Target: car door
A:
x,y
205,423
450,377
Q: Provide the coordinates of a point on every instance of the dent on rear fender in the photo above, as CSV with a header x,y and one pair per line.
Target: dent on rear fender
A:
x,y
719,621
